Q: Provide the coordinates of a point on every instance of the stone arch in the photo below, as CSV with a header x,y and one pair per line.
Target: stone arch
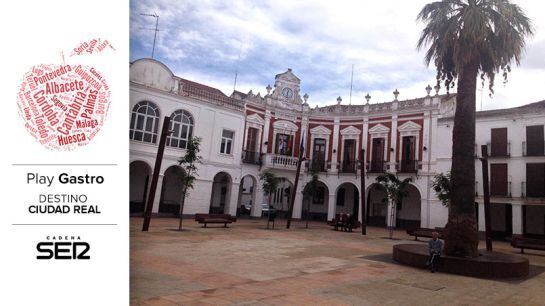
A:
x,y
281,197
171,190
347,199
247,194
376,205
221,193
315,208
139,179
408,213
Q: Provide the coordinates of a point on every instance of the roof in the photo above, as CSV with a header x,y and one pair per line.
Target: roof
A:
x,y
536,107
200,86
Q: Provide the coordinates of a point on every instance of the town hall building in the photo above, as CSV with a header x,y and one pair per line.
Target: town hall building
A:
x,y
245,134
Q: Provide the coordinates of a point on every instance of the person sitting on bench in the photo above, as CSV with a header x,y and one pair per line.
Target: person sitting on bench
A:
x,y
435,247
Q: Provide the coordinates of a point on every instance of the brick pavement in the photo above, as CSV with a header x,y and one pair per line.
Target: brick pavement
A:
x,y
249,265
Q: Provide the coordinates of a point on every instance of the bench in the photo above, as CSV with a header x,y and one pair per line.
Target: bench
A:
x,y
344,222
424,232
215,219
522,243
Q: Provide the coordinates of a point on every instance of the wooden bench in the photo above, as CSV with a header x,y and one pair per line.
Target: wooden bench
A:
x,y
215,219
522,243
425,232
344,223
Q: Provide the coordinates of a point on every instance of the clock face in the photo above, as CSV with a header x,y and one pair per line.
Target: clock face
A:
x,y
287,92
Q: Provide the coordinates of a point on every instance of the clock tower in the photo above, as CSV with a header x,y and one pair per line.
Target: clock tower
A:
x,y
286,88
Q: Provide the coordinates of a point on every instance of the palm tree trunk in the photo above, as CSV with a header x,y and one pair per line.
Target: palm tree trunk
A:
x,y
461,234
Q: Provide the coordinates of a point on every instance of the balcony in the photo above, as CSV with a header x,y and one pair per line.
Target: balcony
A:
x,y
377,166
250,157
534,151
348,166
499,150
408,166
316,165
281,161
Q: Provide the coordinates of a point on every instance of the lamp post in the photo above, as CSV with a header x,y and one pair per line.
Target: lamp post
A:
x,y
486,192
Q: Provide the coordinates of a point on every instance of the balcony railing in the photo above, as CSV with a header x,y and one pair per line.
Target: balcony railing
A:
x,y
281,161
317,165
408,166
525,150
250,157
376,166
348,166
497,151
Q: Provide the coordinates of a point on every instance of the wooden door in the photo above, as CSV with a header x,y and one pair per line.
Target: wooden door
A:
x,y
534,140
498,180
251,143
535,179
498,142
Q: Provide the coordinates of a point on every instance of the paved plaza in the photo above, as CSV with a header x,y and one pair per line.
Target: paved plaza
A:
x,y
246,264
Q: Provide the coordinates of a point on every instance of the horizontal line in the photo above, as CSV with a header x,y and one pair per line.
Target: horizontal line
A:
x,y
94,224
64,164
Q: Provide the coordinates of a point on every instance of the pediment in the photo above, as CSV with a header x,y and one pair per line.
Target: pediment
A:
x,y
409,126
320,130
350,130
255,118
285,125
379,128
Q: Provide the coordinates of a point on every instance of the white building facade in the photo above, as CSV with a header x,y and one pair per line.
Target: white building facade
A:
x,y
246,134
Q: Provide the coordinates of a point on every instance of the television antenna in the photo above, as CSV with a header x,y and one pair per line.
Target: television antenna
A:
x,y
155,30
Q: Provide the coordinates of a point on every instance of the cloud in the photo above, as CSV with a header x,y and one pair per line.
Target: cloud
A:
x,y
209,41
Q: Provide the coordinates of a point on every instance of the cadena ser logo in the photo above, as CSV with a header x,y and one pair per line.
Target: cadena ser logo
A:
x,y
63,248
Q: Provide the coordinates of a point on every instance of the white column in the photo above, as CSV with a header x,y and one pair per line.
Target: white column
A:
x,y
517,219
304,129
266,132
393,142
360,212
256,205
425,141
331,207
365,136
233,197
298,204
335,145
157,197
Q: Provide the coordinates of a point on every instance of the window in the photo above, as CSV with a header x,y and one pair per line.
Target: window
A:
x,y
227,142
535,179
498,180
534,138
181,125
283,144
144,122
499,142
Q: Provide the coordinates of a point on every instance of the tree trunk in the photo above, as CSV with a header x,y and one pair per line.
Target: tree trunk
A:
x,y
461,233
182,210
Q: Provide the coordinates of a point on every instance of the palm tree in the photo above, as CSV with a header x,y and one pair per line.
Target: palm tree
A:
x,y
395,190
467,39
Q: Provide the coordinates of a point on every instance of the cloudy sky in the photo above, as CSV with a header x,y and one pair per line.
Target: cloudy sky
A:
x,y
208,41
